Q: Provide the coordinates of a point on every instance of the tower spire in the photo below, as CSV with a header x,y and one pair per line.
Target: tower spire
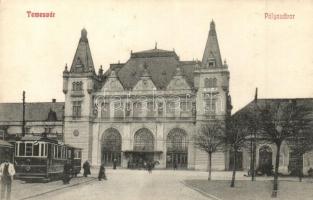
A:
x,y
82,61
212,53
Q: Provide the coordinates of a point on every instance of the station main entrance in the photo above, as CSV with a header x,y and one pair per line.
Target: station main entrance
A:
x,y
143,151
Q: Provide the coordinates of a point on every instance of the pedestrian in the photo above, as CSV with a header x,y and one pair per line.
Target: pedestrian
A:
x,y
175,165
67,172
149,166
102,174
114,163
7,172
86,167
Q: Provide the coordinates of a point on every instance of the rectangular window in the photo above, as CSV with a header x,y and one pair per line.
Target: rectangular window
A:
x,y
184,106
36,149
76,108
160,109
210,106
150,107
128,109
22,149
137,109
105,110
170,108
29,149
118,109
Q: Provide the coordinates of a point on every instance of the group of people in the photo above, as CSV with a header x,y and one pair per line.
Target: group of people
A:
x,y
101,174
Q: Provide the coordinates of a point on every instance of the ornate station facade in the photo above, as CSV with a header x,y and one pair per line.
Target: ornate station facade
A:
x,y
146,109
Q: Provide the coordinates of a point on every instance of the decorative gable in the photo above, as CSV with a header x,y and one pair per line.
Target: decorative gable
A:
x,y
112,83
178,83
145,84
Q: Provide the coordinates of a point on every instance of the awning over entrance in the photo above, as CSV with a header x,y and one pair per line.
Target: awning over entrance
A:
x,y
143,151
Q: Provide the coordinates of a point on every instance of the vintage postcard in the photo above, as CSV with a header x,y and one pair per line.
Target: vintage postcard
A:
x,y
160,100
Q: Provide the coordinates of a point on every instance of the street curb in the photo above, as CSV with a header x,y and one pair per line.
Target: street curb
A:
x,y
57,189
200,191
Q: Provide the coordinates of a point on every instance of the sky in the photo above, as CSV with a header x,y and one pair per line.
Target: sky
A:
x,y
273,55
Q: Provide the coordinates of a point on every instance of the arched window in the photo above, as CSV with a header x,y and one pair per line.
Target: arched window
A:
x,y
111,145
177,140
111,140
144,140
177,149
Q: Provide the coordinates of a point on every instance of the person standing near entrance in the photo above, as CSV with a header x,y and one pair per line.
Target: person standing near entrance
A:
x,y
175,165
102,174
7,172
114,163
86,167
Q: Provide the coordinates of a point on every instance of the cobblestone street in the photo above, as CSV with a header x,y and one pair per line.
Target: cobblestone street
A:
x,y
121,184
125,184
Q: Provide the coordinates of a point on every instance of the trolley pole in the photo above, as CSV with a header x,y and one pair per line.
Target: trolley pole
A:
x,y
253,137
23,122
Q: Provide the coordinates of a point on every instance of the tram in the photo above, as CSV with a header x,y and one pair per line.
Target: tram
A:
x,y
41,158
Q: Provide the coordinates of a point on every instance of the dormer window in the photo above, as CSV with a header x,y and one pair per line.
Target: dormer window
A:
x,y
212,63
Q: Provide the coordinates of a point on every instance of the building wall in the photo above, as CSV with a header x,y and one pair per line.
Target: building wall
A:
x,y
128,130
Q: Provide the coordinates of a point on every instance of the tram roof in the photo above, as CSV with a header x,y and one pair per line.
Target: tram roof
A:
x,y
5,144
37,138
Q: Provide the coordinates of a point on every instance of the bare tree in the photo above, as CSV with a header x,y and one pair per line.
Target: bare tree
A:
x,y
210,138
302,141
281,120
237,133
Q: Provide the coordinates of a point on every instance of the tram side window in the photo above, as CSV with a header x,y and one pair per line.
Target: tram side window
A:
x,y
16,148
42,147
36,150
46,149
29,149
22,149
59,152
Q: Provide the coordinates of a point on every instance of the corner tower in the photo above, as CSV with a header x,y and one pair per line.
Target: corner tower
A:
x,y
212,93
212,82
78,85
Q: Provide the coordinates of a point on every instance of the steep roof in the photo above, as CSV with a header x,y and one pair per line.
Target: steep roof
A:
x,y
82,61
10,112
161,65
212,50
300,101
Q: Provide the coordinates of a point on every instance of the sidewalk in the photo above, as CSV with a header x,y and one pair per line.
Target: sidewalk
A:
x,y
22,190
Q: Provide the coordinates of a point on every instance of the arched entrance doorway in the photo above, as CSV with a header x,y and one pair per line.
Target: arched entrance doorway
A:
x,y
143,149
111,147
265,159
177,149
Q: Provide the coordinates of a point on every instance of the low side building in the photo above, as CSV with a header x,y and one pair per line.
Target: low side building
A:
x,y
266,152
